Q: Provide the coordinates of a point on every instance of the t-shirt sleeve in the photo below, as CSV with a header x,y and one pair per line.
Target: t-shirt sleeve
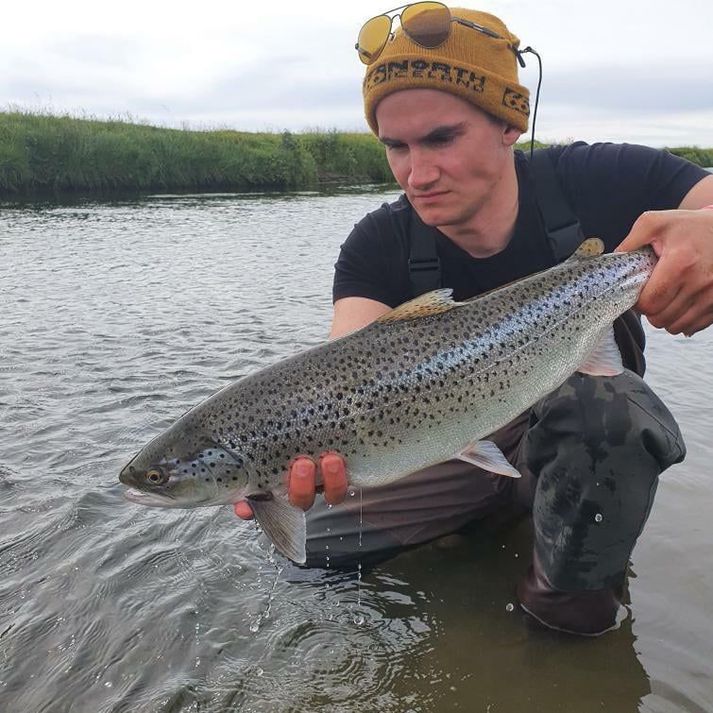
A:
x,y
370,262
611,185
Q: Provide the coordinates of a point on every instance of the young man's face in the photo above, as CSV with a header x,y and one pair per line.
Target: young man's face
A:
x,y
447,155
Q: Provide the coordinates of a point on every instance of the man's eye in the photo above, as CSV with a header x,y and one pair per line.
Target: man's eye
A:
x,y
441,140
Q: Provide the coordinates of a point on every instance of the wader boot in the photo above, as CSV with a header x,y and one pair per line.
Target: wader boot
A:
x,y
596,447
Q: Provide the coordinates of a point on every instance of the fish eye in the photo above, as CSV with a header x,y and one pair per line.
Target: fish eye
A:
x,y
155,476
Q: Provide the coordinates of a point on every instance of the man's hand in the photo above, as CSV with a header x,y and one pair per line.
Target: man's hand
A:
x,y
679,295
302,483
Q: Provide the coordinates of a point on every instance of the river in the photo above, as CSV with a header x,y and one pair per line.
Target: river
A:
x,y
114,319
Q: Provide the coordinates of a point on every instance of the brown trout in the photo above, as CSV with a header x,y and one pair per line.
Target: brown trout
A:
x,y
424,383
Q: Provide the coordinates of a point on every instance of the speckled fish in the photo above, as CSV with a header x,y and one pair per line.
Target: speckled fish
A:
x,y
424,383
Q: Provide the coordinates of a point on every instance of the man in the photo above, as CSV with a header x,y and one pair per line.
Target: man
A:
x,y
449,115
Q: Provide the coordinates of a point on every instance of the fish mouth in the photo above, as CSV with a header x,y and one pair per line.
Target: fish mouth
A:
x,y
160,500
151,499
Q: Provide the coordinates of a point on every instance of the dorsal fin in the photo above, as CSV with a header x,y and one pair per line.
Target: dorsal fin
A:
x,y
425,305
591,247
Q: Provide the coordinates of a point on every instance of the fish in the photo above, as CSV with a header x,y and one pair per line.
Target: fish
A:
x,y
424,383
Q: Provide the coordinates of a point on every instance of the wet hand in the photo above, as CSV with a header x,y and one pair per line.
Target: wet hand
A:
x,y
305,479
679,295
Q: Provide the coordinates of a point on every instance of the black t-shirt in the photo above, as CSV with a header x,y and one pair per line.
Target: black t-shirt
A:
x,y
607,185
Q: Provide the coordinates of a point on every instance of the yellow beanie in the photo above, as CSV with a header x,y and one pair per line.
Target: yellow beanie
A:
x,y
469,64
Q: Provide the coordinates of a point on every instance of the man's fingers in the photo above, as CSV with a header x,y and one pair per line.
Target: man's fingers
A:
x,y
646,226
301,483
694,320
334,478
243,510
658,293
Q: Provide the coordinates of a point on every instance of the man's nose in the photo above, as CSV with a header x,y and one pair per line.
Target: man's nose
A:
x,y
423,172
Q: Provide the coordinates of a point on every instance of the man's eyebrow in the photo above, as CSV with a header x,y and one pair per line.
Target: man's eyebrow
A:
x,y
445,131
439,133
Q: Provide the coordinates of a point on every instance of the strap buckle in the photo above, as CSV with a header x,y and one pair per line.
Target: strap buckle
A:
x,y
427,265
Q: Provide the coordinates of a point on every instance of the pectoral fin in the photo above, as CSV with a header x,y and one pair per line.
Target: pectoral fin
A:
x,y
486,455
605,359
283,524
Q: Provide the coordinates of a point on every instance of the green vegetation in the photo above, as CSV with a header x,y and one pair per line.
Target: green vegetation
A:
x,y
42,154
703,157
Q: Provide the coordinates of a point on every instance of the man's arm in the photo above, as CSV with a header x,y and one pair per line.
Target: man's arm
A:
x,y
351,313
679,295
700,196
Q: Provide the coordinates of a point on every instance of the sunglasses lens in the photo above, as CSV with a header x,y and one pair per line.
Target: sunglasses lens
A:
x,y
372,38
427,23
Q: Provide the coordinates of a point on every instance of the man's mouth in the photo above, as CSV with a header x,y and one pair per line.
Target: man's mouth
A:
x,y
429,196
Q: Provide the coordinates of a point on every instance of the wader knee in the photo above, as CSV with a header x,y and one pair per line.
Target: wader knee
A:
x,y
596,446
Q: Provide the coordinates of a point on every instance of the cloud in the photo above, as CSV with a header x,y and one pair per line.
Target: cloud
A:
x,y
656,89
96,49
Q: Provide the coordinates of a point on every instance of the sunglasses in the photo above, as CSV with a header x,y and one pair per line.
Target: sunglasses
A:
x,y
428,24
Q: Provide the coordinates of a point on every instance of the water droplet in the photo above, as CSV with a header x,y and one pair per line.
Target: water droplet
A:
x,y
107,684
259,671
598,517
358,619
255,627
510,607
352,493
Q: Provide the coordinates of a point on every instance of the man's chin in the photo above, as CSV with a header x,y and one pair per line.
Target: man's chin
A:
x,y
433,217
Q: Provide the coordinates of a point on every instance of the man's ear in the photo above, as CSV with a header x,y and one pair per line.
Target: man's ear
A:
x,y
510,135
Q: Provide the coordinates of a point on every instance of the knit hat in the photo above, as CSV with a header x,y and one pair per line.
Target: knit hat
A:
x,y
469,64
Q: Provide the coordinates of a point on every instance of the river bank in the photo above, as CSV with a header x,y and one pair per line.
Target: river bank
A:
x,y
41,154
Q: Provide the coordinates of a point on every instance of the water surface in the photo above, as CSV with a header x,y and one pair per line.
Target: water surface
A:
x,y
114,319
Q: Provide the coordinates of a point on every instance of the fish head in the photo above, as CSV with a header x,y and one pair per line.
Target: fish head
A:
x,y
178,471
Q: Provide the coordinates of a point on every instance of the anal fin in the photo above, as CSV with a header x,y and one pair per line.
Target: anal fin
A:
x,y
486,455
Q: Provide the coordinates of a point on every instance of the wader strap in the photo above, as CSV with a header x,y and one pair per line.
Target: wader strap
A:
x,y
424,265
564,233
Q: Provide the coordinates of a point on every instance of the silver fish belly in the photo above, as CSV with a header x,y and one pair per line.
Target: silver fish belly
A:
x,y
422,384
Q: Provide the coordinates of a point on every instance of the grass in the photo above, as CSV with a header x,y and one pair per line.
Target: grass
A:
x,y
43,154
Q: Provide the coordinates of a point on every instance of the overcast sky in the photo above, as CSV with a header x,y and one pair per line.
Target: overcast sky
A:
x,y
614,70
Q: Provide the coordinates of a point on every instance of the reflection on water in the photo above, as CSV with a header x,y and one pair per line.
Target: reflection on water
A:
x,y
115,319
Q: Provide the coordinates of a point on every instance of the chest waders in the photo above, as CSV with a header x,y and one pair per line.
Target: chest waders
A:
x,y
591,451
